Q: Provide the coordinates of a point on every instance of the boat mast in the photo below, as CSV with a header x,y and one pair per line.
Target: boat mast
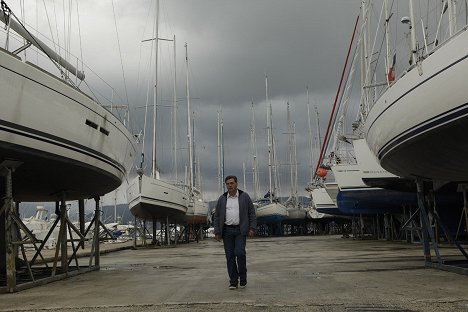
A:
x,y
21,30
269,138
243,175
387,44
253,146
276,180
310,138
336,99
452,17
189,126
365,57
295,162
290,141
413,33
199,181
194,155
174,122
222,154
220,183
318,137
155,95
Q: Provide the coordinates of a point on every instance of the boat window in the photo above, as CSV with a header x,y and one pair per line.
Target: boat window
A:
x,y
91,124
106,132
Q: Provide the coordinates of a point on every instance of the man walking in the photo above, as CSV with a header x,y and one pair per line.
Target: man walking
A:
x,y
234,219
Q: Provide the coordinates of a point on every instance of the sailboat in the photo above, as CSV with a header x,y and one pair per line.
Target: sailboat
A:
x,y
352,162
322,194
268,209
150,197
416,126
324,198
39,225
253,152
354,197
197,212
65,145
296,213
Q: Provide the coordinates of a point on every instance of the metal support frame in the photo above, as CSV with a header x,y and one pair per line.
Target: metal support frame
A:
x,y
426,213
7,210
22,273
154,239
411,226
81,217
167,231
464,214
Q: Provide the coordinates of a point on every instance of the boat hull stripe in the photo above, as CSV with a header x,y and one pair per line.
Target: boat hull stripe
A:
x,y
411,90
67,96
436,121
51,139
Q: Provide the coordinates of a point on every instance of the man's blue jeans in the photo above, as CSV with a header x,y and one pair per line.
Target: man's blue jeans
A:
x,y
234,248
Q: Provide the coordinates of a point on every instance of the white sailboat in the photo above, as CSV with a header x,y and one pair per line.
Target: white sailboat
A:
x,y
253,153
354,196
150,197
39,225
416,126
323,201
269,210
197,212
67,145
322,194
296,212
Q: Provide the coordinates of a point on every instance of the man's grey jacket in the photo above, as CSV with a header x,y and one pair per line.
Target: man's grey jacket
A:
x,y
247,216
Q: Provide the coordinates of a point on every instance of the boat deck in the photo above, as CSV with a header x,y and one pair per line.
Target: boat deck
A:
x,y
308,273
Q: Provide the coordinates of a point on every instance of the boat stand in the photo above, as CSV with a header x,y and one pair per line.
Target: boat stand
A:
x,y
17,271
167,231
141,233
464,214
410,226
427,213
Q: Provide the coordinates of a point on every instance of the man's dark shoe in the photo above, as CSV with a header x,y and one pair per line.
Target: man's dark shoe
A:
x,y
243,284
233,286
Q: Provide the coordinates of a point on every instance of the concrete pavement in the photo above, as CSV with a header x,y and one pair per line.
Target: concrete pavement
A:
x,y
308,273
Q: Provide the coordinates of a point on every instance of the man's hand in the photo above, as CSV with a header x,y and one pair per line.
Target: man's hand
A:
x,y
218,237
251,233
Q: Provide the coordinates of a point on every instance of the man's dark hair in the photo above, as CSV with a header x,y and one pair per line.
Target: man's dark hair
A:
x,y
230,177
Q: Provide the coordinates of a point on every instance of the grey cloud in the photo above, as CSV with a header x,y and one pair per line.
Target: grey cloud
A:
x,y
232,44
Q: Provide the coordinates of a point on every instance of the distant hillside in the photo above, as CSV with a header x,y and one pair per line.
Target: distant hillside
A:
x,y
302,199
122,211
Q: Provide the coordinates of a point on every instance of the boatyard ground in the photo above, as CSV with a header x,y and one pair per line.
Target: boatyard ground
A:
x,y
308,273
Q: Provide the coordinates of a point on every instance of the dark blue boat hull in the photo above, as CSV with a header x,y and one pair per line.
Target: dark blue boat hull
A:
x,y
271,219
379,201
334,211
373,201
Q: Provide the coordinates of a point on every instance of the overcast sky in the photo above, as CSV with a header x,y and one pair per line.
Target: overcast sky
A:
x,y
231,45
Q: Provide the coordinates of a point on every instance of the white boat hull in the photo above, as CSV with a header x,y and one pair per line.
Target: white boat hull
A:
x,y
197,213
348,176
331,188
154,199
313,214
373,175
296,213
418,127
271,213
322,201
69,146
